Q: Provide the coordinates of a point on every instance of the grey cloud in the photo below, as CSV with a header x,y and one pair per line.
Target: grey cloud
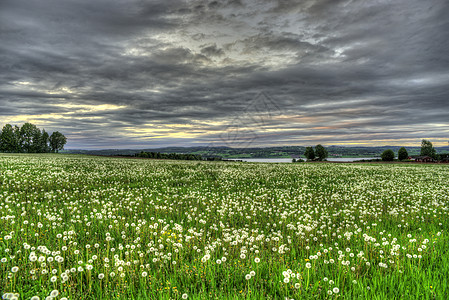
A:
x,y
366,70
279,42
212,50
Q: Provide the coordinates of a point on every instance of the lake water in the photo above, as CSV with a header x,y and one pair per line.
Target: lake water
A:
x,y
289,160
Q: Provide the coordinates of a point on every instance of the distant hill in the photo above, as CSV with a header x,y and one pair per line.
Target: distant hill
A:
x,y
260,152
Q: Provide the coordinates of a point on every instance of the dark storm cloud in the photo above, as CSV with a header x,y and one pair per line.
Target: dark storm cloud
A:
x,y
137,73
212,50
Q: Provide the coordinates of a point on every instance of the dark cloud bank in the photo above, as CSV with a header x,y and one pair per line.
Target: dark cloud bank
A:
x,y
122,74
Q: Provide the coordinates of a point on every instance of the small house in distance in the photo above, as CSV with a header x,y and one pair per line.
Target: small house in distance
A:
x,y
424,159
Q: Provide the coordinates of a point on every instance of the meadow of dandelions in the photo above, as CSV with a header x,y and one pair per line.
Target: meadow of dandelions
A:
x,y
79,227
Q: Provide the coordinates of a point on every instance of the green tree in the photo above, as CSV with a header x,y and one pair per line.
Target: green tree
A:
x,y
8,139
37,141
29,136
18,140
321,152
427,149
402,154
43,144
57,141
309,153
387,155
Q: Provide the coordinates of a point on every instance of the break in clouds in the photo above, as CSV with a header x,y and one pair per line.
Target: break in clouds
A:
x,y
122,74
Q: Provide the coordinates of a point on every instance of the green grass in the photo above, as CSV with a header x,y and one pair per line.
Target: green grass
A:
x,y
372,231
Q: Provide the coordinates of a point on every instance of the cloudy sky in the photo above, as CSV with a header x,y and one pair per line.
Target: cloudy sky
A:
x,y
135,73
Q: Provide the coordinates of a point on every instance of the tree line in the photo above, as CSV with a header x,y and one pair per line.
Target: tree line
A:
x,y
176,156
30,139
427,149
320,153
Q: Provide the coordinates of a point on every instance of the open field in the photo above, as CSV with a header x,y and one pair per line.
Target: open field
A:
x,y
105,228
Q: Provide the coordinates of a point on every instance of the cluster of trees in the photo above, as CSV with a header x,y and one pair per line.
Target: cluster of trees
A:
x,y
30,139
177,156
320,153
427,149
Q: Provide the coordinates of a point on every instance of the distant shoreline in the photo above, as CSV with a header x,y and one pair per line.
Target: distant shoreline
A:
x,y
286,162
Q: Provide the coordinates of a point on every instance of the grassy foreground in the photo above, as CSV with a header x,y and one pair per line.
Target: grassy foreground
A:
x,y
78,227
